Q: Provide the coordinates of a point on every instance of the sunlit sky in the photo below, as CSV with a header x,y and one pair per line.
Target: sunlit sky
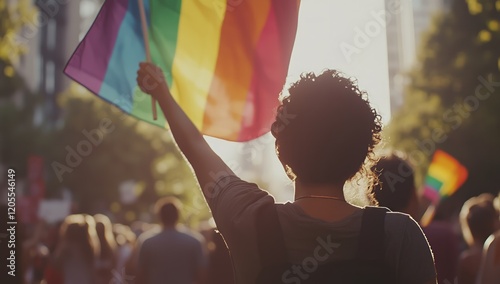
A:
x,y
324,25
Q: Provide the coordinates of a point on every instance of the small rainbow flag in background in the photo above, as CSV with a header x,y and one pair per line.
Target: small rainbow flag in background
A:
x,y
444,177
225,61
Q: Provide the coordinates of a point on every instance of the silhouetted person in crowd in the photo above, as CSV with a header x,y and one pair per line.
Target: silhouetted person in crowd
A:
x,y
174,255
35,253
396,185
77,250
106,260
325,130
143,231
125,241
396,190
478,219
489,273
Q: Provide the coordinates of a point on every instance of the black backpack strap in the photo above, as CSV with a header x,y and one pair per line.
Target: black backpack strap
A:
x,y
372,235
271,244
370,256
368,266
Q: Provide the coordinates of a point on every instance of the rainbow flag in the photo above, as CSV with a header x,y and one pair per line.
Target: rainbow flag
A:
x,y
444,176
225,61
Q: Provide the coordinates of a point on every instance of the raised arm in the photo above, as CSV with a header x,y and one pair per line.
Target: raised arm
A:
x,y
207,165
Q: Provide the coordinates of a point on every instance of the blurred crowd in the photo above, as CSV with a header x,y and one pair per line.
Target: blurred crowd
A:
x,y
92,249
465,246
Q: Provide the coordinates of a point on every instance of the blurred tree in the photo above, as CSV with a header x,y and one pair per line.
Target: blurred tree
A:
x,y
14,15
453,100
19,138
99,147
79,155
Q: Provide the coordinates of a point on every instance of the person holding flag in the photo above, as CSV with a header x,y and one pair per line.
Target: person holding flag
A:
x,y
225,63
325,130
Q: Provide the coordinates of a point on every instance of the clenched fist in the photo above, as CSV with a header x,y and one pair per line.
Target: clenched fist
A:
x,y
151,80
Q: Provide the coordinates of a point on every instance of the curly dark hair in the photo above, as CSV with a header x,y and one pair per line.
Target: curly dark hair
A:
x,y
325,129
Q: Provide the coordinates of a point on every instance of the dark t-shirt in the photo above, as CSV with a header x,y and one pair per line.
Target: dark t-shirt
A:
x,y
235,204
172,256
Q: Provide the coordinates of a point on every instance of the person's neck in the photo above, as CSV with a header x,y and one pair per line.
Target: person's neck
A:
x,y
169,227
323,201
315,190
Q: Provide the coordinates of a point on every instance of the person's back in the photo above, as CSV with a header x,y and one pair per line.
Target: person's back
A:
x,y
325,131
396,190
444,243
75,268
489,272
77,250
106,261
340,241
478,219
311,242
173,255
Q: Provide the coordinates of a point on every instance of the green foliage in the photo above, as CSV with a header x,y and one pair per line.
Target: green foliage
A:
x,y
448,105
14,15
9,80
130,150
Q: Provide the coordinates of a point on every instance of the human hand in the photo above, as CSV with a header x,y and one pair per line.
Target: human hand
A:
x,y
151,80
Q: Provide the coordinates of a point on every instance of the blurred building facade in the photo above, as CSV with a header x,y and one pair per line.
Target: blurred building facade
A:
x,y
51,38
405,27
